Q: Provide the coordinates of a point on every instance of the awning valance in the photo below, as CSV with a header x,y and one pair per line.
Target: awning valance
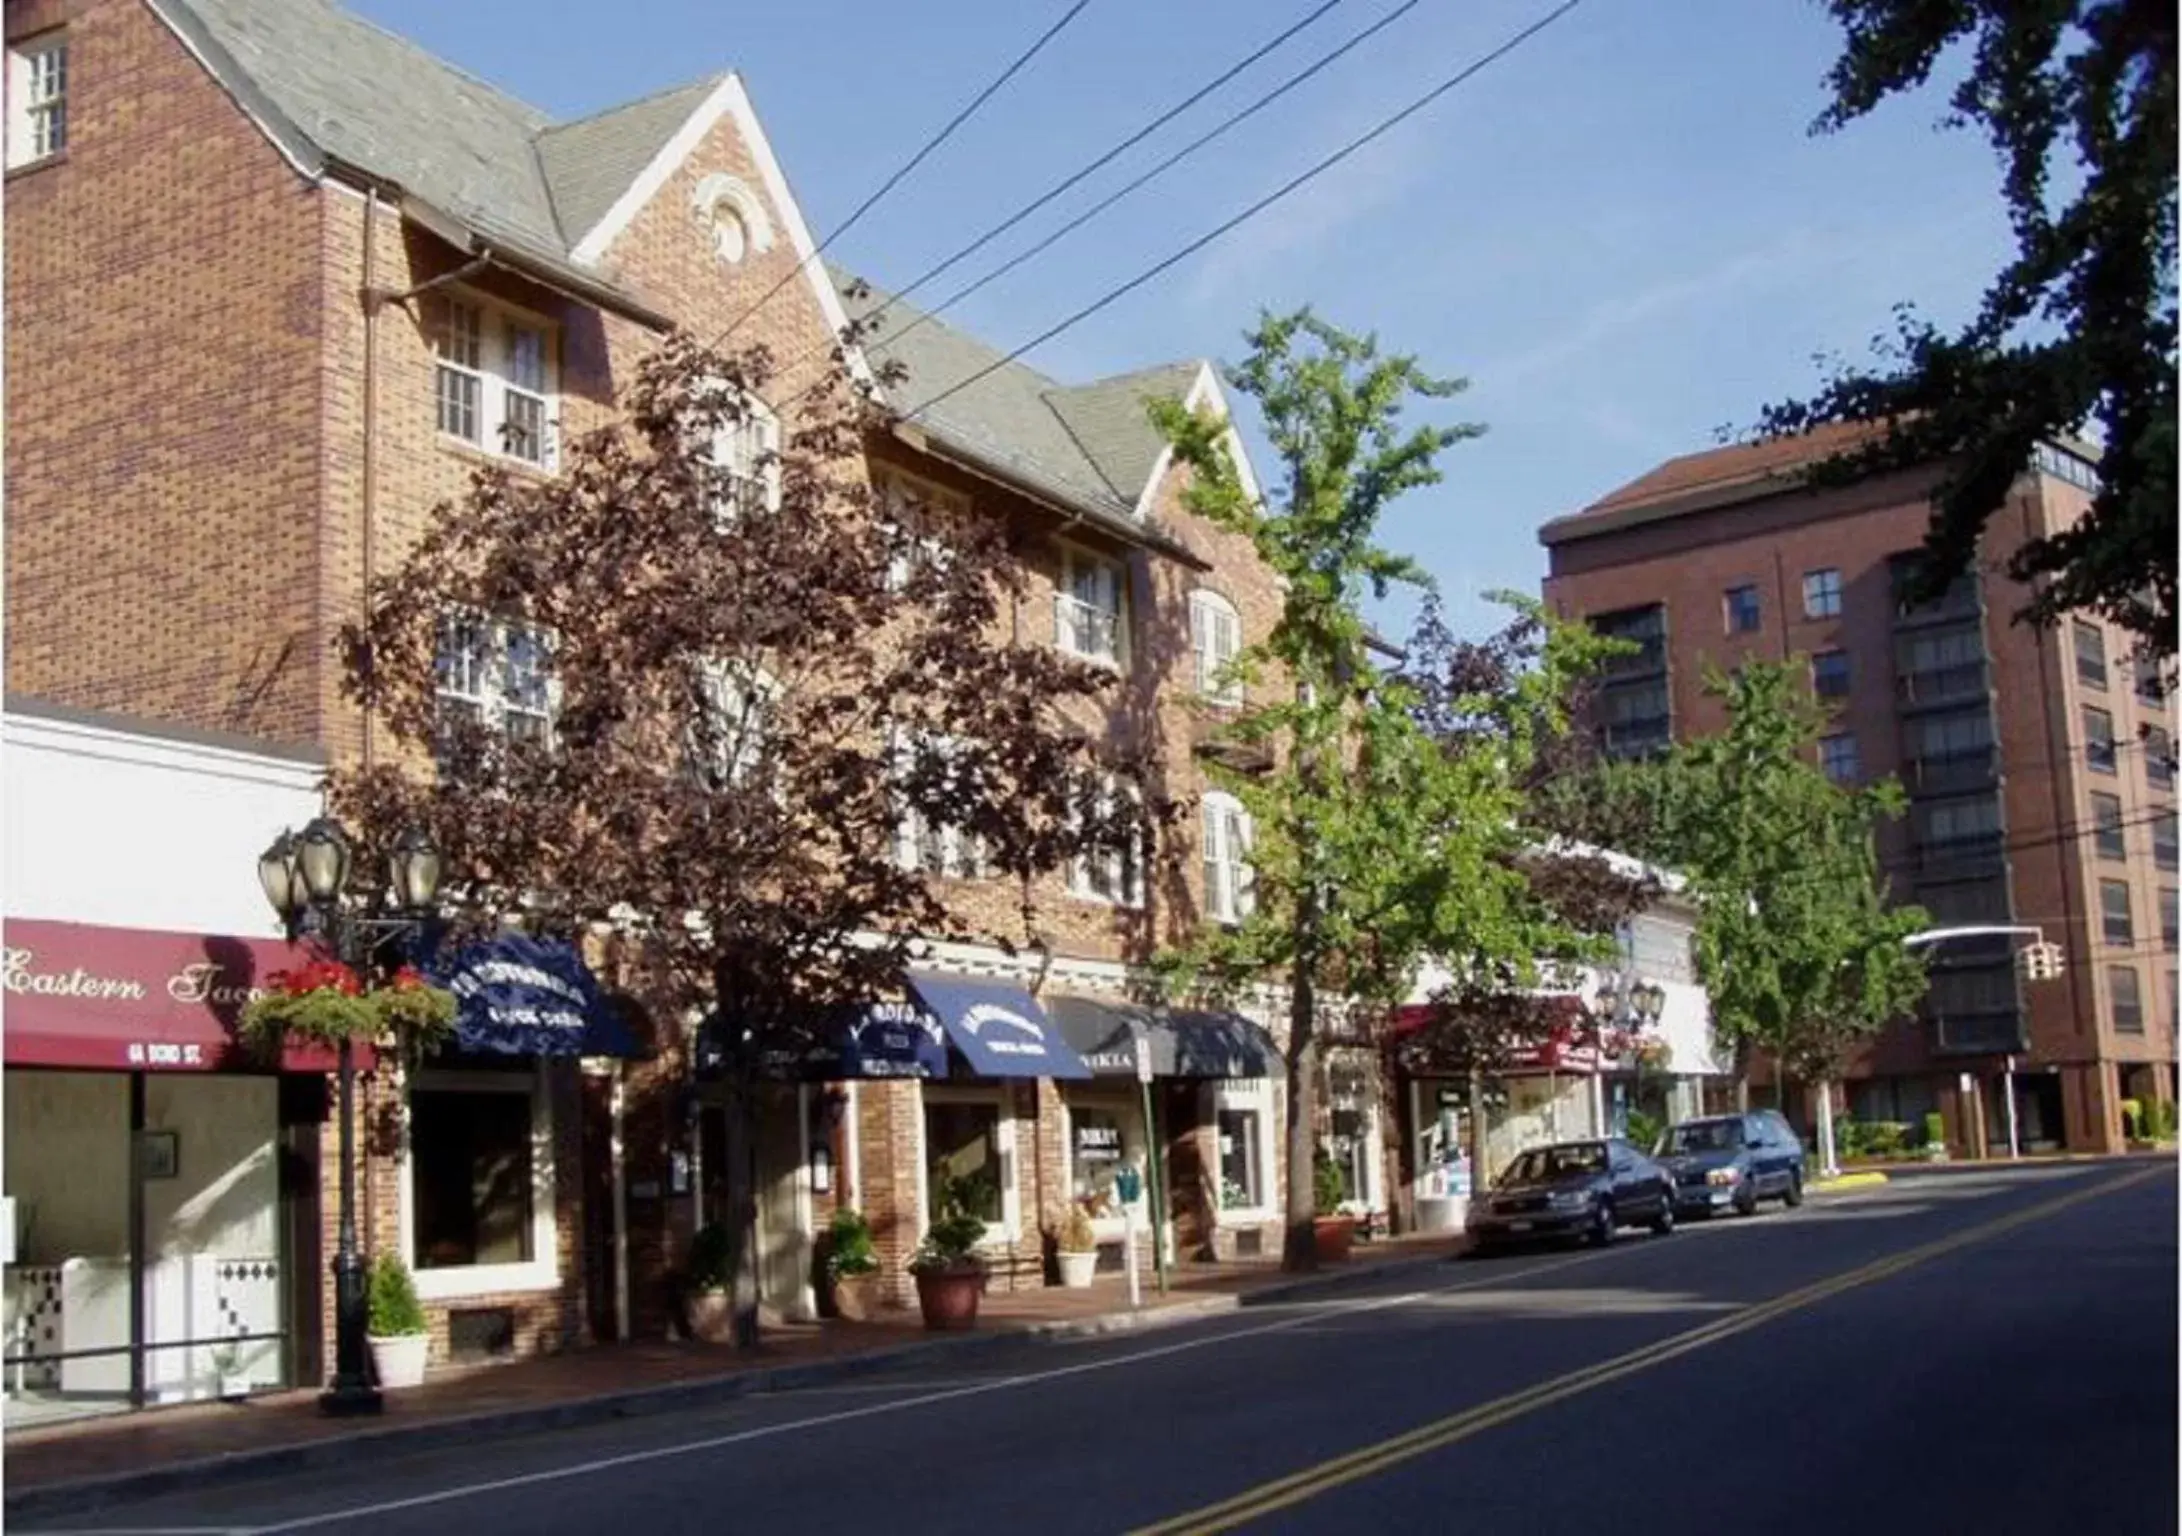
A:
x,y
998,1027
520,996
133,999
1184,1042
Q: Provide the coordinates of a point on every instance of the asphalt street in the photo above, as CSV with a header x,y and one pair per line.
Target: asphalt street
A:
x,y
1974,1350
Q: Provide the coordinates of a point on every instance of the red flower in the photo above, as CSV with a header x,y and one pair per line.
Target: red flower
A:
x,y
408,979
320,975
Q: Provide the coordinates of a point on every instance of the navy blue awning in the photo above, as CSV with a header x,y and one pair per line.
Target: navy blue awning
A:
x,y
998,1027
521,996
876,1040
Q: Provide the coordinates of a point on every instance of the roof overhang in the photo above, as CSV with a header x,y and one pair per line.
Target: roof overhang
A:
x,y
546,271
1118,526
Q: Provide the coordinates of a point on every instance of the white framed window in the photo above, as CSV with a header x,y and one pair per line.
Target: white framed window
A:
x,y
1230,883
968,1145
746,452
1243,1119
1216,639
1113,875
737,708
497,674
909,510
1103,1130
1090,610
477,1183
493,379
922,841
1822,594
37,99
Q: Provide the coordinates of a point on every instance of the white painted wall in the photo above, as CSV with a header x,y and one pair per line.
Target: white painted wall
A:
x,y
136,831
68,1164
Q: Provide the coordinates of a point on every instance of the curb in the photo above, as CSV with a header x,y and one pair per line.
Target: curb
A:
x,y
85,1495
1864,1179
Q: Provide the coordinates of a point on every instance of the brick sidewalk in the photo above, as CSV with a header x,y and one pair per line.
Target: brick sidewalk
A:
x,y
40,1456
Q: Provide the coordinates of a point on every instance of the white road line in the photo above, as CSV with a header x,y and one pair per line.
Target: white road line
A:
x,y
1311,1313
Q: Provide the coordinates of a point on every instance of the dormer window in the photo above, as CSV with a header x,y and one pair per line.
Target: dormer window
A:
x,y
493,379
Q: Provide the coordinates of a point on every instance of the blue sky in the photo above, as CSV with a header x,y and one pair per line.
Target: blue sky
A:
x,y
1623,234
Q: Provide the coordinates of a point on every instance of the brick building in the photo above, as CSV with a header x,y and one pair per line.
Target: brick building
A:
x,y
2039,764
278,282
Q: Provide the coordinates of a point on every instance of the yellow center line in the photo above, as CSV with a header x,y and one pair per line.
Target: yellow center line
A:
x,y
1295,1488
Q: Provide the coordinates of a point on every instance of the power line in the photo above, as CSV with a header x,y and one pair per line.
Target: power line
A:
x,y
1385,126
1138,182
908,166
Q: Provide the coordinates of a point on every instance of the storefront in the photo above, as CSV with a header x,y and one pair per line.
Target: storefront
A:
x,y
1214,1123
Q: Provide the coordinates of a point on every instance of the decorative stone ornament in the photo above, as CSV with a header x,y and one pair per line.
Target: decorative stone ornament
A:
x,y
733,216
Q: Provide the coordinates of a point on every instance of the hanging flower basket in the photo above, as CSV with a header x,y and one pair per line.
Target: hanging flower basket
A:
x,y
326,1003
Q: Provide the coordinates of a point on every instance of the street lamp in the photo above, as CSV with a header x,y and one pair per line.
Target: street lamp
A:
x,y
1627,1003
303,878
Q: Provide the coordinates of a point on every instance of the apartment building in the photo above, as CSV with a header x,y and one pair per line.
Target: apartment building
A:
x,y
279,282
2039,764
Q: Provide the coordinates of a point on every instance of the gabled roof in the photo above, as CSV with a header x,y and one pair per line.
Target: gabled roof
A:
x,y
1092,448
589,163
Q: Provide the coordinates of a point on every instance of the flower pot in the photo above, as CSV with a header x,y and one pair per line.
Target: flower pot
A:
x,y
1078,1268
231,1389
948,1297
855,1297
1331,1237
709,1316
398,1361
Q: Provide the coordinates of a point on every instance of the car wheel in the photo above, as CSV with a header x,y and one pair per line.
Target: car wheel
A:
x,y
1602,1225
1793,1194
1663,1223
1746,1198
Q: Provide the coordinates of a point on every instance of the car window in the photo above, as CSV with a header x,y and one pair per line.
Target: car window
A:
x,y
1782,1131
1758,1133
1705,1136
1558,1162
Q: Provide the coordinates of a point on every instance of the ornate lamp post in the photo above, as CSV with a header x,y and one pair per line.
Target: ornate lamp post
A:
x,y
1626,1002
303,877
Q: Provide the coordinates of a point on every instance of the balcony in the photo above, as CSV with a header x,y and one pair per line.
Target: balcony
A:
x,y
1958,858
1942,685
1979,1034
1952,772
1646,737
1089,632
1649,659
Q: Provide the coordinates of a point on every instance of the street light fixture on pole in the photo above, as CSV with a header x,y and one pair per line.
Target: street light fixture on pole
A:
x,y
1627,1002
303,878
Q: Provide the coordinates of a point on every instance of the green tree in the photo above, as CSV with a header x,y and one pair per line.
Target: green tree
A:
x,y
1375,846
1799,949
2077,332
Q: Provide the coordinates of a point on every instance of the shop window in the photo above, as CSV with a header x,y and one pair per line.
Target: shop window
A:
x,y
481,1183
1242,1173
966,1160
1100,1140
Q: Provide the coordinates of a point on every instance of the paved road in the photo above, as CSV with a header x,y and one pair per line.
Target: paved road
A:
x,y
1988,1351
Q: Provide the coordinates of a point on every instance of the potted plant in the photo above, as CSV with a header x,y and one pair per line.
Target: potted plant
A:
x,y
1076,1247
707,1312
1935,1136
396,1331
229,1383
325,1002
949,1271
852,1266
1332,1231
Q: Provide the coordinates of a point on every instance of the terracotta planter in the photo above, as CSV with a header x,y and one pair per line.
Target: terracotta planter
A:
x,y
709,1316
1077,1269
949,1297
855,1297
1331,1237
398,1361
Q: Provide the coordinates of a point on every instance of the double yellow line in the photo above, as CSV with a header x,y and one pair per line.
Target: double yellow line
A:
x,y
1283,1492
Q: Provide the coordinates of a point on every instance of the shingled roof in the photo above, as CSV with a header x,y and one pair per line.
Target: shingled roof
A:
x,y
1091,447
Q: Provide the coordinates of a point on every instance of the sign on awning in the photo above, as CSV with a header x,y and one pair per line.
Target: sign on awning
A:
x,y
520,996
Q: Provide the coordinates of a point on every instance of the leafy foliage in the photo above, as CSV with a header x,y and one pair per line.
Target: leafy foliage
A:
x,y
326,1002
748,694
850,1250
394,1310
952,1241
711,1258
1645,1130
2077,97
1327,1191
1376,846
1799,951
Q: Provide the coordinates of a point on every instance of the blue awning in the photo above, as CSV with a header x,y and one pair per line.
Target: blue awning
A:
x,y
998,1027
875,1040
520,996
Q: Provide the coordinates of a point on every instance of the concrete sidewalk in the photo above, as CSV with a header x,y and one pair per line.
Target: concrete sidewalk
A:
x,y
62,1469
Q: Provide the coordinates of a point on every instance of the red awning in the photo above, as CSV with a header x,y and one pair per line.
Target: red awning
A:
x,y
1568,1047
129,999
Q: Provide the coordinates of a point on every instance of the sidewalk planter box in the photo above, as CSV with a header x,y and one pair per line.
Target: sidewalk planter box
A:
x,y
1332,1236
399,1361
855,1297
1077,1269
948,1297
711,1317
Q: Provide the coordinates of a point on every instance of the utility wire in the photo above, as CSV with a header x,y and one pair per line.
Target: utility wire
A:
x,y
1142,180
1385,126
908,166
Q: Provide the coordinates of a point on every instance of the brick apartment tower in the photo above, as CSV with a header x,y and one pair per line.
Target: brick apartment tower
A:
x,y
2039,764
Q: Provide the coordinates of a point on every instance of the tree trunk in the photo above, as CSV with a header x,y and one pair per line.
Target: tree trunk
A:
x,y
1299,1243
741,1216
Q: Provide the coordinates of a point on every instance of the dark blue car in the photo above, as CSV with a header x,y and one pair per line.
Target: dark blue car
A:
x,y
1573,1189
1731,1162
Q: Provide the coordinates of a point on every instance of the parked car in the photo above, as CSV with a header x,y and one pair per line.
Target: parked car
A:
x,y
1583,1189
1731,1162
